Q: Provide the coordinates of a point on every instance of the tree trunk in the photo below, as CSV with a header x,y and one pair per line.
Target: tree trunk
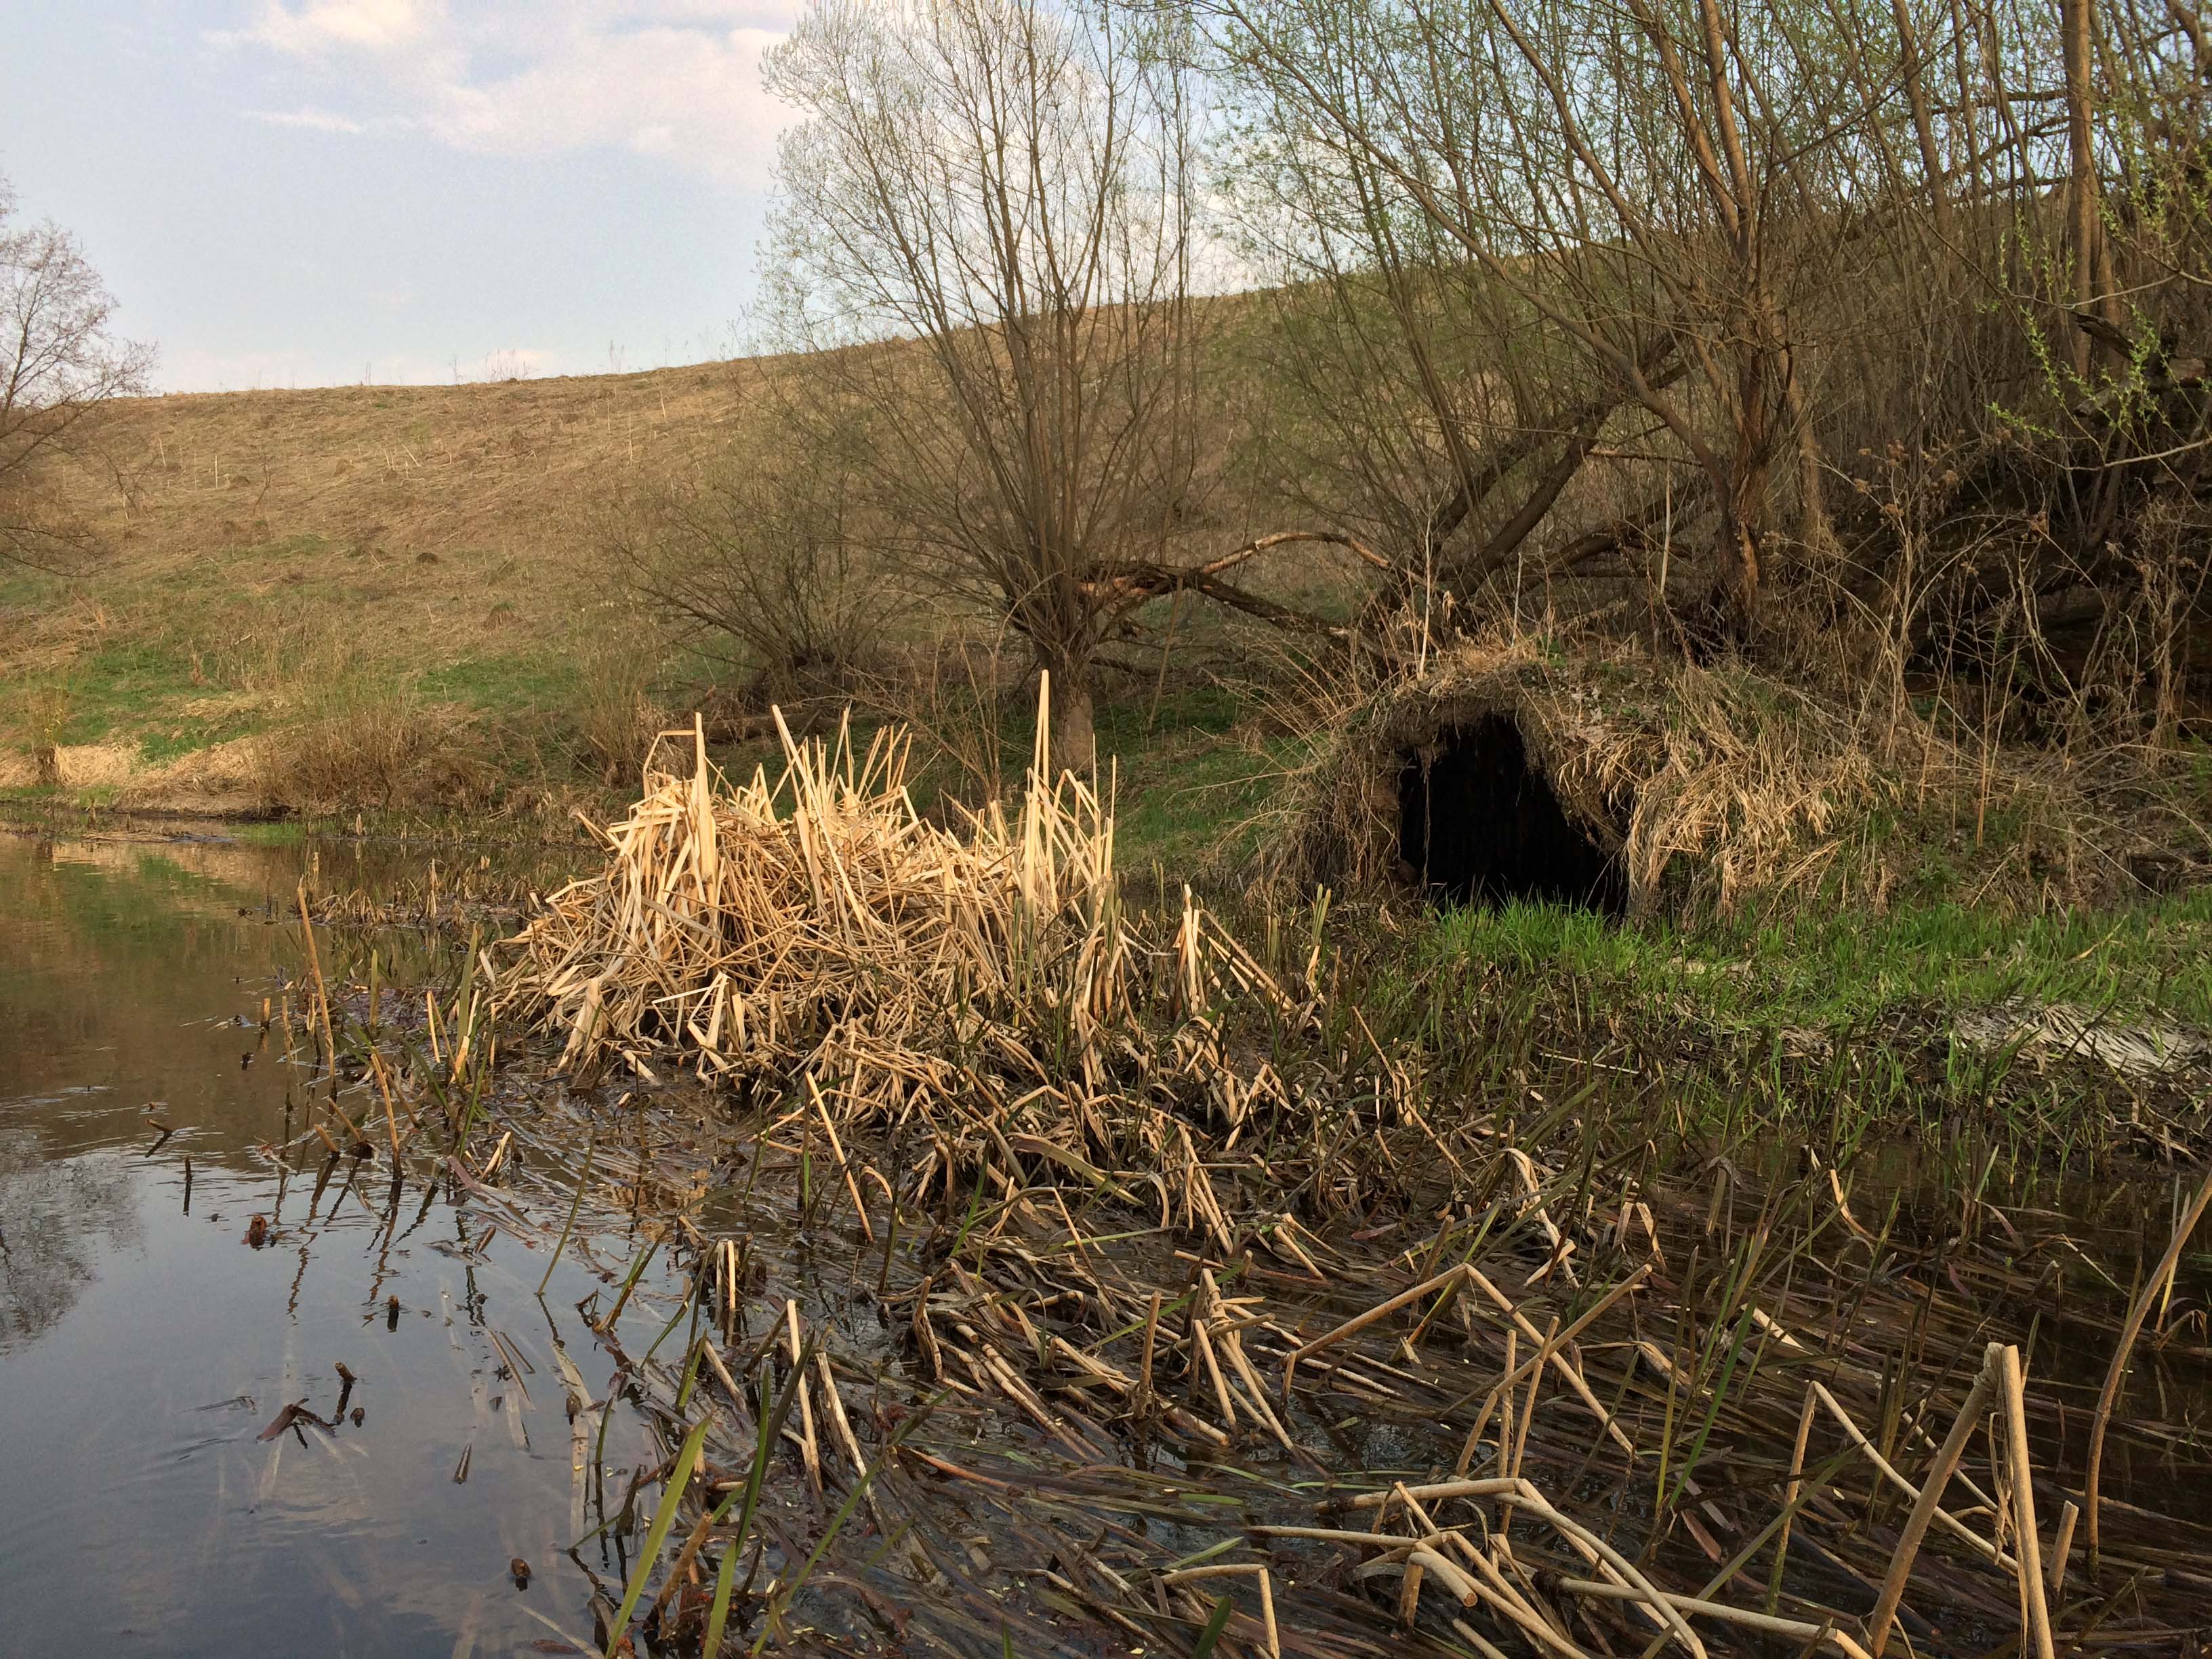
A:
x,y
1737,577
1814,528
1737,594
1072,744
2084,222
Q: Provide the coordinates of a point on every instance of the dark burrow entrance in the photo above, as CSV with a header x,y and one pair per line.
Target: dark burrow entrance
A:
x,y
1481,825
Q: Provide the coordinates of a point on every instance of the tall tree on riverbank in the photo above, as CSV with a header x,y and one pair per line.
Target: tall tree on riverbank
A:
x,y
986,222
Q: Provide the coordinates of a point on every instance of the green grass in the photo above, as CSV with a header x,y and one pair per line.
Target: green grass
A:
x,y
121,685
137,690
537,682
1833,1030
31,589
1186,811
2152,958
125,690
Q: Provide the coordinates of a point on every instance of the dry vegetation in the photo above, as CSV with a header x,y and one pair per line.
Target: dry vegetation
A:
x,y
1096,1281
1716,788
805,921
1781,428
1856,348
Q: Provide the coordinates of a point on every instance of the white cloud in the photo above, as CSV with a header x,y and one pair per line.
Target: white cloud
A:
x,y
375,25
313,120
200,370
674,79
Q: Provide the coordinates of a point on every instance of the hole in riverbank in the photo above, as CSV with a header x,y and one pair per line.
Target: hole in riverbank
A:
x,y
1479,824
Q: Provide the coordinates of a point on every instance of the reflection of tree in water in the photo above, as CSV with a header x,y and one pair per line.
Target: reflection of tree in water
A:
x,y
57,1215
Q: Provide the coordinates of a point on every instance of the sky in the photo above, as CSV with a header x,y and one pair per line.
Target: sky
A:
x,y
317,193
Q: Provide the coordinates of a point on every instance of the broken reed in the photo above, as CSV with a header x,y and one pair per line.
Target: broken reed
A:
x,y
1672,1417
1145,1194
1075,1345
1003,1297
364,1039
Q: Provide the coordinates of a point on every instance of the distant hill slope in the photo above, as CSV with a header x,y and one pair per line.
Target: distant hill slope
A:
x,y
437,536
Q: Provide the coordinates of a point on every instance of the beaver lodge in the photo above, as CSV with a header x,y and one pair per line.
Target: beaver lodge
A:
x,y
1631,784
1479,823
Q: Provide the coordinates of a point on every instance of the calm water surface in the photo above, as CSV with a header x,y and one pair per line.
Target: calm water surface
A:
x,y
145,1344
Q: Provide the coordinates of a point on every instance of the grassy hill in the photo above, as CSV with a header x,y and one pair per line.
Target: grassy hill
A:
x,y
390,568
264,546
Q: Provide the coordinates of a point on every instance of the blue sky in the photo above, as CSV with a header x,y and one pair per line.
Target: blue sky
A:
x,y
304,193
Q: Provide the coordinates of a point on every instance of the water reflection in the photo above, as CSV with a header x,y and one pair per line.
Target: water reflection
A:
x,y
56,1216
112,956
151,1331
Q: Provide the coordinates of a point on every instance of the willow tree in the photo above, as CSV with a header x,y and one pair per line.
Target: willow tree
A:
x,y
985,230
1634,203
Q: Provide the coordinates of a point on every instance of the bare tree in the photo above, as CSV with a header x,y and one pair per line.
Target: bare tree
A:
x,y
986,225
1707,279
1635,202
59,363
754,555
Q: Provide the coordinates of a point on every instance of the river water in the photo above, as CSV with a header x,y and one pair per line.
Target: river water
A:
x,y
181,1260
151,1329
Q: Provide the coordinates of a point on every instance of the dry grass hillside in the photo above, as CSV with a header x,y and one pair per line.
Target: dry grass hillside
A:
x,y
264,548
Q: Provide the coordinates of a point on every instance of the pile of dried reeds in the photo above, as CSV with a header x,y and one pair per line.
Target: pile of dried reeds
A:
x,y
816,933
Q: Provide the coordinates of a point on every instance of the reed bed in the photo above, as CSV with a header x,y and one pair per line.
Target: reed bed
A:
x,y
1061,1281
978,983
1652,1419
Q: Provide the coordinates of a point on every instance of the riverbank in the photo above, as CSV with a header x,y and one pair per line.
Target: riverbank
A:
x,y
1311,1284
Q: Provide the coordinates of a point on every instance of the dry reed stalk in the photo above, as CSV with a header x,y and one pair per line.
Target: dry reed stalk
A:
x,y
810,1449
1540,1621
2109,1395
391,1117
1790,1495
1925,1506
1957,1529
2061,1547
1808,1636
322,992
844,1168
1446,1282
2012,1387
1256,1571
